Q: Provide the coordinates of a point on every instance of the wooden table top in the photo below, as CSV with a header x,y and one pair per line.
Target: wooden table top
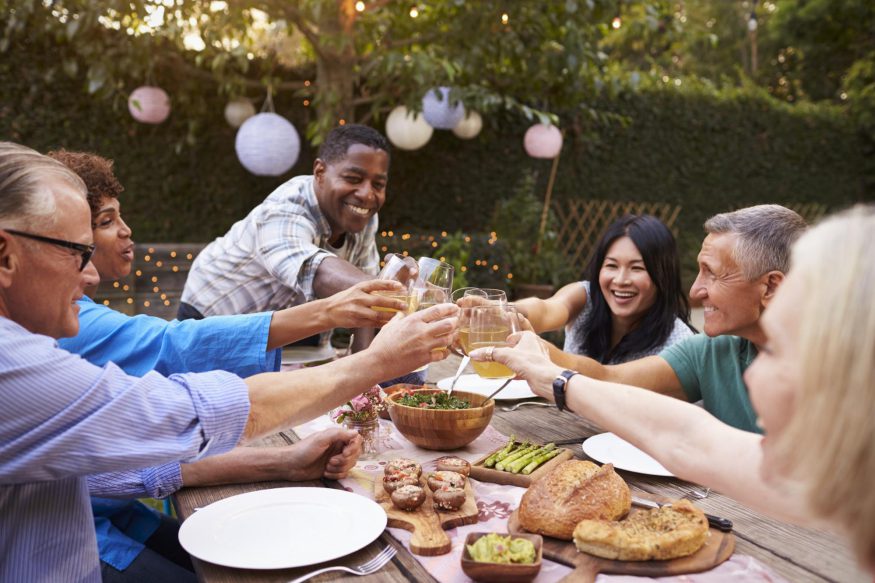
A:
x,y
798,554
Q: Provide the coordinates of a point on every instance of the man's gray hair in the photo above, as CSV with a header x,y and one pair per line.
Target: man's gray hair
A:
x,y
765,232
24,200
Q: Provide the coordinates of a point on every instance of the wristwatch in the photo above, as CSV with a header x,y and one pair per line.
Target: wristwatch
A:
x,y
559,387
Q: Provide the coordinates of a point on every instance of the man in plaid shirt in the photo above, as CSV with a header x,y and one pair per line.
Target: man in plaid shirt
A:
x,y
311,237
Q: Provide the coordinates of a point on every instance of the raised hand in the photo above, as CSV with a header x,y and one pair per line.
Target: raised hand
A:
x,y
354,307
408,343
527,358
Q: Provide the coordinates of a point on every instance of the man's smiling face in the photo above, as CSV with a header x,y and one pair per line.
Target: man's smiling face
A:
x,y
353,189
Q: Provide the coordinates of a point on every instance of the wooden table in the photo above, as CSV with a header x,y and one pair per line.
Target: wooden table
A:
x,y
798,554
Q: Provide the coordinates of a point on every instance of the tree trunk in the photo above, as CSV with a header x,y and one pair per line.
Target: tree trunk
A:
x,y
335,66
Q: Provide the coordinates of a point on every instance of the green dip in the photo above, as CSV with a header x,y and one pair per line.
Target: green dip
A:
x,y
494,548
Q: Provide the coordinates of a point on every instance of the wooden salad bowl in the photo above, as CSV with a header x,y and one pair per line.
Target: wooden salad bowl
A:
x,y
442,429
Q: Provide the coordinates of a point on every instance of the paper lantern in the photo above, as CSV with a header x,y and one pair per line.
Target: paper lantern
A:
x,y
543,141
149,104
237,111
439,112
470,126
406,130
267,144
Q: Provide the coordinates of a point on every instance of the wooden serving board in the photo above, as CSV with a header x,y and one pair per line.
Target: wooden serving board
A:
x,y
484,474
718,548
426,523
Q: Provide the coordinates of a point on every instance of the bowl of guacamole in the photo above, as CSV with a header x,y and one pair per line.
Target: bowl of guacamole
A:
x,y
491,556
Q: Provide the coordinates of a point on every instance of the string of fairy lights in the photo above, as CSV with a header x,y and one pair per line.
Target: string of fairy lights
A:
x,y
153,286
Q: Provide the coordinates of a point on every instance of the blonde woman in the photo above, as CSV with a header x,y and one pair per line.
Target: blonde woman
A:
x,y
812,385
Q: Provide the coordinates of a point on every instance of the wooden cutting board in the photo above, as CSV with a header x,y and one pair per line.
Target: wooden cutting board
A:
x,y
484,474
718,548
426,523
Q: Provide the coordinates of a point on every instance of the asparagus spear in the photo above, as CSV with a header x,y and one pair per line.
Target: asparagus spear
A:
x,y
523,461
540,460
503,455
490,461
502,465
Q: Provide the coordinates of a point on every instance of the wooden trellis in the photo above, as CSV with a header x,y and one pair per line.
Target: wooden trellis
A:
x,y
581,223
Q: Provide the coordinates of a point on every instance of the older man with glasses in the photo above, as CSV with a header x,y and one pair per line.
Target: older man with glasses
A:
x,y
64,418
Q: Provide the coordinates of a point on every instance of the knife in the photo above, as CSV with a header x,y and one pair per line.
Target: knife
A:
x,y
722,524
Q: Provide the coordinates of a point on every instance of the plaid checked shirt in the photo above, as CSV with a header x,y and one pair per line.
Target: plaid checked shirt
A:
x,y
268,260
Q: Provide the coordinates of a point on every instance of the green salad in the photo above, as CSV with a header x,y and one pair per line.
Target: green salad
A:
x,y
439,400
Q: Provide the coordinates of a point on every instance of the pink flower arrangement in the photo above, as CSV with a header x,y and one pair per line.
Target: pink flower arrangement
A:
x,y
361,407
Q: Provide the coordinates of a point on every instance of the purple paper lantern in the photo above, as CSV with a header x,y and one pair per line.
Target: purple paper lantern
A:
x,y
149,104
543,141
439,112
267,144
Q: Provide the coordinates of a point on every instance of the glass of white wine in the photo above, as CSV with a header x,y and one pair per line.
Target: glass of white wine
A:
x,y
404,270
467,300
490,325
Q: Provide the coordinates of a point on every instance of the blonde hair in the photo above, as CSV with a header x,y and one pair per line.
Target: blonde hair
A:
x,y
24,201
829,445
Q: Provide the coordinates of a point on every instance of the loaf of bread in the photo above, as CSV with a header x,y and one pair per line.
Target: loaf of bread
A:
x,y
661,533
572,492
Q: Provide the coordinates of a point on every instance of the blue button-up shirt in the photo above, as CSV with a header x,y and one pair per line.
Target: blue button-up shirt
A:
x,y
138,345
64,418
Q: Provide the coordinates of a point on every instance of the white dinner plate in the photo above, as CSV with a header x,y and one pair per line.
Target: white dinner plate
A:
x,y
608,448
476,384
282,528
308,354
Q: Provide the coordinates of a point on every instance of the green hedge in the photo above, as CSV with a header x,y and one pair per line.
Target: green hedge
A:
x,y
706,150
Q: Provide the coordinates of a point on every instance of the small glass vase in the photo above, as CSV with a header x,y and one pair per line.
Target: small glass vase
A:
x,y
369,429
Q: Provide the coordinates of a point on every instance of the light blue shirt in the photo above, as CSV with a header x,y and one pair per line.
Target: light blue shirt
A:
x,y
138,345
64,418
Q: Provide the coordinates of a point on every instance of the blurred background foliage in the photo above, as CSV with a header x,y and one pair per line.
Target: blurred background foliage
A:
x,y
659,100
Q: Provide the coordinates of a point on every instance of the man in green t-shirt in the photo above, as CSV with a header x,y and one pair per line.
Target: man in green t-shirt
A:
x,y
742,262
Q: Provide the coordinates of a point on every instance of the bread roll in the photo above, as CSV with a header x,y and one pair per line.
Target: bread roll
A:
x,y
661,533
572,492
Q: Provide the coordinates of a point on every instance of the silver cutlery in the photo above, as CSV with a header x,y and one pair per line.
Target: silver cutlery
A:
x,y
465,360
723,524
371,566
698,494
499,389
524,403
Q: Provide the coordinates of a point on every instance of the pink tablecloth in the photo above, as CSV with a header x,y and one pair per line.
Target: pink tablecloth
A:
x,y
495,503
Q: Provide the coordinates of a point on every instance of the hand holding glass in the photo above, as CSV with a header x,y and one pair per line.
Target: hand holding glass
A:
x,y
490,326
404,270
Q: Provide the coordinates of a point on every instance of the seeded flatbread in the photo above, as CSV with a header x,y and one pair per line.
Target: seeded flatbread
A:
x,y
660,533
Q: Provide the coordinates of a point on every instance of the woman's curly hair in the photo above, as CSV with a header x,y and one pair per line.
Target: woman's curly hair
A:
x,y
95,171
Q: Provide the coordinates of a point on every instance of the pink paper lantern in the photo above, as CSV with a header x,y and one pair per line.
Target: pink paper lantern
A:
x,y
543,141
149,104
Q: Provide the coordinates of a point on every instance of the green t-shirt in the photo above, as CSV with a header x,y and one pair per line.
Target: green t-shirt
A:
x,y
711,369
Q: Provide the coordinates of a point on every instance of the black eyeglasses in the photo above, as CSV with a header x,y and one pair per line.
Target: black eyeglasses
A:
x,y
86,250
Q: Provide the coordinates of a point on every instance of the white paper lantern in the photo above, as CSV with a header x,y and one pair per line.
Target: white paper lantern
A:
x,y
406,130
470,126
237,111
439,112
543,141
267,144
149,104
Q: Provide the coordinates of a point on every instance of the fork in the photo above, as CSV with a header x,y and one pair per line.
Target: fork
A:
x,y
695,494
518,405
371,566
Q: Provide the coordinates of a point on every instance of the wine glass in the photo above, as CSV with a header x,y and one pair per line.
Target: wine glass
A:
x,y
401,269
434,282
490,325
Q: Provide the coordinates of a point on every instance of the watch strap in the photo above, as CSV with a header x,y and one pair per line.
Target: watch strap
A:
x,y
559,388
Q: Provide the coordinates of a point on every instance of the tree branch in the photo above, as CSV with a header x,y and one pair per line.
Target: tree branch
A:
x,y
194,71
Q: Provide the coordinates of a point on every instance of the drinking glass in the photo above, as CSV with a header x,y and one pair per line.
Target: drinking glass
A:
x,y
434,282
490,325
401,269
467,299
